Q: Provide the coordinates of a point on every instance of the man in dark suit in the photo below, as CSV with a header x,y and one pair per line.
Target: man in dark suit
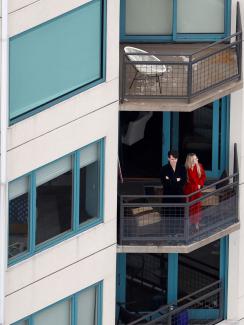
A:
x,y
173,175
173,178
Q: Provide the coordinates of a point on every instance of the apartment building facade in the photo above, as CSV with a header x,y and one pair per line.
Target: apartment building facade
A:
x,y
61,123
64,221
179,91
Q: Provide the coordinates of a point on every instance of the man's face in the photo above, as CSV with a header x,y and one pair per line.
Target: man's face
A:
x,y
172,160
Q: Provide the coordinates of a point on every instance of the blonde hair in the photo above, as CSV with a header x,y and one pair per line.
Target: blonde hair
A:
x,y
189,164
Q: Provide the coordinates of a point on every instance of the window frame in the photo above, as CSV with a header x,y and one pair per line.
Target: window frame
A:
x,y
174,37
73,306
76,227
80,89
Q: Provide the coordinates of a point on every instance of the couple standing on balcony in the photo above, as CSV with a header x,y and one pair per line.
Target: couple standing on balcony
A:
x,y
179,180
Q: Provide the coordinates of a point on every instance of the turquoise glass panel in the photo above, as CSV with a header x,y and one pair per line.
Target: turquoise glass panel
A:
x,y
149,17
59,313
87,307
192,16
55,58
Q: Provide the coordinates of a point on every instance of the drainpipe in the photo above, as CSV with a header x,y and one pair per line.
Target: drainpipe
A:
x,y
3,158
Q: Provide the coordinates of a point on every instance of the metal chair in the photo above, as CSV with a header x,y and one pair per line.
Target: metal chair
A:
x,y
147,70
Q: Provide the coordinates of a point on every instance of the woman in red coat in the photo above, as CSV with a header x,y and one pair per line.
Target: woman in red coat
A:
x,y
195,180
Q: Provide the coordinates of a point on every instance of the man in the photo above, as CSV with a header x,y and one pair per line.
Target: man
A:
x,y
173,178
173,175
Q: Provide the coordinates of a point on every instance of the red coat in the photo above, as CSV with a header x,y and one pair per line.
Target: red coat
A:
x,y
193,180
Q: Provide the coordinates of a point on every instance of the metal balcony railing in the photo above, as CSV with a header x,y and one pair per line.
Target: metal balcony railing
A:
x,y
204,306
183,76
171,220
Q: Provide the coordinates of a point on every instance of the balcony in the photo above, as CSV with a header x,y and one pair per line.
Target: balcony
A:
x,y
184,77
204,306
164,224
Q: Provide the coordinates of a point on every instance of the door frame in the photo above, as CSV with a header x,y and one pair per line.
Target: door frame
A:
x,y
172,281
220,140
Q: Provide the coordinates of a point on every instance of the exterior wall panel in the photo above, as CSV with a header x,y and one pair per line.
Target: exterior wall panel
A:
x,y
52,289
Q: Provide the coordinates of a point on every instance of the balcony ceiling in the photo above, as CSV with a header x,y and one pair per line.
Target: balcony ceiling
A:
x,y
183,249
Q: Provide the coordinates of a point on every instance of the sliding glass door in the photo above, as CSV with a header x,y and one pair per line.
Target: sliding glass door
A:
x,y
159,20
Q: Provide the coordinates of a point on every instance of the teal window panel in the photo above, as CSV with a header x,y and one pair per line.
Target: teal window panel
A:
x,y
145,17
19,213
56,58
56,202
84,307
59,313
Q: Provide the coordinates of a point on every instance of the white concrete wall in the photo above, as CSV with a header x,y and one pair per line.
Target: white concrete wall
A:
x,y
49,263
236,240
67,281
89,257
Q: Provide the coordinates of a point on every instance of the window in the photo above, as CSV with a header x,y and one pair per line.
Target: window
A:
x,y
157,17
193,14
81,308
164,20
57,58
55,201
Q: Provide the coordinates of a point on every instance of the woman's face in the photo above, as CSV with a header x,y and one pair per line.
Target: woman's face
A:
x,y
194,160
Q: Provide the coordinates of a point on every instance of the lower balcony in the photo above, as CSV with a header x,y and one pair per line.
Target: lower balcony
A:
x,y
204,306
162,224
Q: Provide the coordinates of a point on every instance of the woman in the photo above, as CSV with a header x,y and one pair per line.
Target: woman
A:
x,y
195,180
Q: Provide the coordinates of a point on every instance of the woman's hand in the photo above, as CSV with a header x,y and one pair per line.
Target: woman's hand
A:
x,y
199,186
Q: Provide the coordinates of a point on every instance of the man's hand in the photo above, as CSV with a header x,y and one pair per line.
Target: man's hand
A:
x,y
166,177
178,179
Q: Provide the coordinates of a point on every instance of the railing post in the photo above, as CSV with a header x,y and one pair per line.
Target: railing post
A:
x,y
186,224
121,220
123,78
239,39
221,301
189,79
236,179
171,307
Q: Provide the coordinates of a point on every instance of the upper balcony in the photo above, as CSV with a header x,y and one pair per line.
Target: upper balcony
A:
x,y
180,77
164,224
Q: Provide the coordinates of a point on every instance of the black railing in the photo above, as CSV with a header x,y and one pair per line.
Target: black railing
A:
x,y
204,306
180,220
173,75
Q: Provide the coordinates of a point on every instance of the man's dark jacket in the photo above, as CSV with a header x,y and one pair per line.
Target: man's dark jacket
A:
x,y
169,179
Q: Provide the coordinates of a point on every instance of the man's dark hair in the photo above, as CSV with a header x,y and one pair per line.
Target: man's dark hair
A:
x,y
173,153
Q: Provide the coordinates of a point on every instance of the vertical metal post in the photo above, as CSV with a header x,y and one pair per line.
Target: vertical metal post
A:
x,y
189,79
239,39
123,78
186,224
221,301
3,159
170,316
121,220
236,179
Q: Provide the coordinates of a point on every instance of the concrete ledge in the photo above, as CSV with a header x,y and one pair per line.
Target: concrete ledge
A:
x,y
181,105
177,249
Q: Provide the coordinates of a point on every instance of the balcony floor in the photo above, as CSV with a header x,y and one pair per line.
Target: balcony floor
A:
x,y
210,71
147,248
